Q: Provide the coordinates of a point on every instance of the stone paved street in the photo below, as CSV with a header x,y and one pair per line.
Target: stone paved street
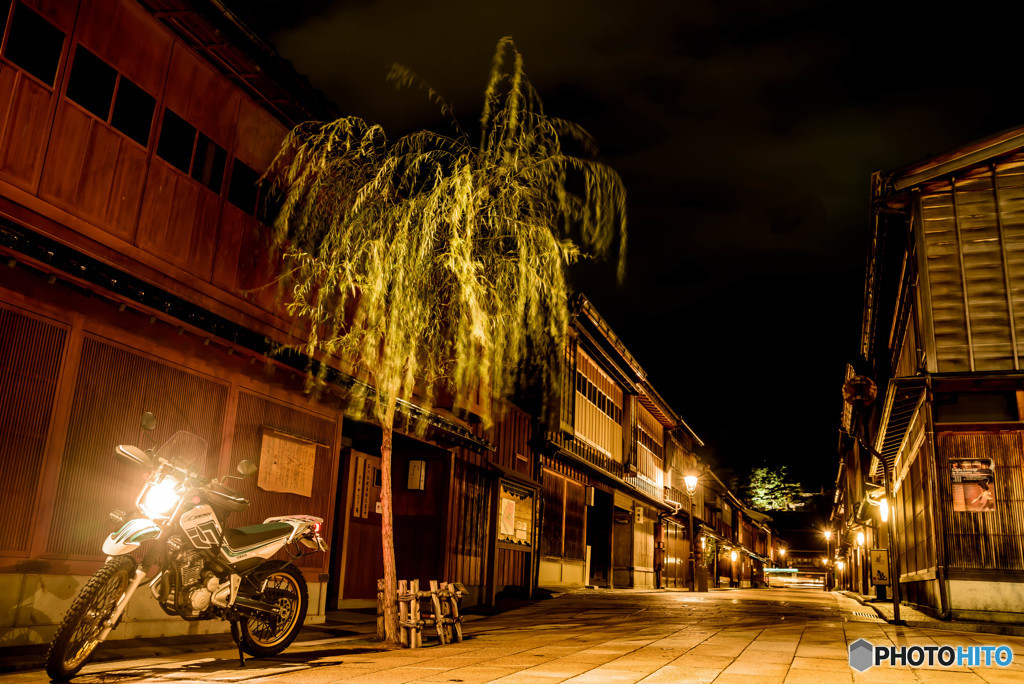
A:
x,y
756,636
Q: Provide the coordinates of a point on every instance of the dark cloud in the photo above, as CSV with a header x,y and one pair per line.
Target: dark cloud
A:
x,y
745,131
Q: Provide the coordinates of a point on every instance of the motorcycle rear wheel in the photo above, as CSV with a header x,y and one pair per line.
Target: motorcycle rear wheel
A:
x,y
76,637
285,588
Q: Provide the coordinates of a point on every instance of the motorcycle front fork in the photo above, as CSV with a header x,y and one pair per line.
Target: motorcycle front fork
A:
x,y
122,604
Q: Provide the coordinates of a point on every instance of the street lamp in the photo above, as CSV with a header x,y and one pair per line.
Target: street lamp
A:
x,y
828,557
860,564
691,489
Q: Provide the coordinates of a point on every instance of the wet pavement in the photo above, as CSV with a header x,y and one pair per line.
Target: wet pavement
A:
x,y
748,635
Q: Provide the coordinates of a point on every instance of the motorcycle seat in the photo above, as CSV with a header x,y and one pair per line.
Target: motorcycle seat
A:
x,y
242,537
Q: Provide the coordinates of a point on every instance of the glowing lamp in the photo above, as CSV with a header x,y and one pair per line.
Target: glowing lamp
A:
x,y
691,484
884,510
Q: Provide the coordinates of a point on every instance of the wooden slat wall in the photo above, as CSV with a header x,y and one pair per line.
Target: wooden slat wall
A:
x,y
1010,184
593,425
674,569
906,366
946,281
564,529
30,357
24,108
255,411
511,567
976,220
650,463
470,523
26,104
991,540
114,388
554,514
511,435
101,176
91,168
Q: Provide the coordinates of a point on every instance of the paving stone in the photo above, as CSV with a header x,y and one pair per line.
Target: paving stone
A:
x,y
673,673
817,677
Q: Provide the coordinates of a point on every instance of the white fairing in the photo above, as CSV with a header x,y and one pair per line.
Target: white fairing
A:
x,y
201,526
128,538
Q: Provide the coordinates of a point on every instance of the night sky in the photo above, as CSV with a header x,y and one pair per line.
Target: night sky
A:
x,y
745,132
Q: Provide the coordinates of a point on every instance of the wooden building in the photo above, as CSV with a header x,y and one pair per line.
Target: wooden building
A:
x,y
136,275
615,507
942,332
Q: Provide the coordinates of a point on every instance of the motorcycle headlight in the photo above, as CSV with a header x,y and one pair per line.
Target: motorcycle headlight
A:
x,y
161,498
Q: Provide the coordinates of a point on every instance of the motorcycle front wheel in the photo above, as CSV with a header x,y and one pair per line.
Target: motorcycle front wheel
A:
x,y
77,636
285,588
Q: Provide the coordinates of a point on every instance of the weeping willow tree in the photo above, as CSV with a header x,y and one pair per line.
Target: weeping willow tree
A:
x,y
436,262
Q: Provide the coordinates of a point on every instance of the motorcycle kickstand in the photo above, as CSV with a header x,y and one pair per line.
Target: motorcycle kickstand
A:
x,y
236,634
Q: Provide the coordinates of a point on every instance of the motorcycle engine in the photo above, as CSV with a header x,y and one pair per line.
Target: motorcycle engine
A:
x,y
196,586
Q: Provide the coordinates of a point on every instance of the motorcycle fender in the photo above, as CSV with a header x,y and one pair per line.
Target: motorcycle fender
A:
x,y
128,538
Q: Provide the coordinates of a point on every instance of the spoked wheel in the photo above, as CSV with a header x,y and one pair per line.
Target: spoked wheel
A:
x,y
285,588
78,635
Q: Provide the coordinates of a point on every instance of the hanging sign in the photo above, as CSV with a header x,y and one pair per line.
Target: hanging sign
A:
x,y
973,484
286,463
515,516
880,567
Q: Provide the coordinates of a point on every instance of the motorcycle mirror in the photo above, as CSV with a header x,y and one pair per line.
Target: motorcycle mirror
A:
x,y
247,468
133,455
148,421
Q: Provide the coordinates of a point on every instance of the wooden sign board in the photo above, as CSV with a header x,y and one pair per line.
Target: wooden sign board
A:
x,y
880,567
515,516
286,463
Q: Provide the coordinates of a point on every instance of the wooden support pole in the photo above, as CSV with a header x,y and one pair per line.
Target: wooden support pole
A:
x,y
435,601
415,615
380,610
404,629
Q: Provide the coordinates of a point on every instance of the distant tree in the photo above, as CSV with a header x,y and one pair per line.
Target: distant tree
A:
x,y
436,262
771,489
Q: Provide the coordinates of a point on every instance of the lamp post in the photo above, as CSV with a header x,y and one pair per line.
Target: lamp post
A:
x,y
691,489
859,391
732,570
828,558
860,563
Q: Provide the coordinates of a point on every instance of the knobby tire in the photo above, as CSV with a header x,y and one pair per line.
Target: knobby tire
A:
x,y
286,588
75,639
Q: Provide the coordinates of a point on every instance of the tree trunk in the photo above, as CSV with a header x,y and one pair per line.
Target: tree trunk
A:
x,y
387,527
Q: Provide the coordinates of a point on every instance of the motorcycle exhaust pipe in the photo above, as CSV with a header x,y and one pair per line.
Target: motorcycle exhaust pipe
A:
x,y
247,604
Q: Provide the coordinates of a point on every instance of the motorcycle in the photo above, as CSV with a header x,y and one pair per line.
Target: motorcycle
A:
x,y
195,567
